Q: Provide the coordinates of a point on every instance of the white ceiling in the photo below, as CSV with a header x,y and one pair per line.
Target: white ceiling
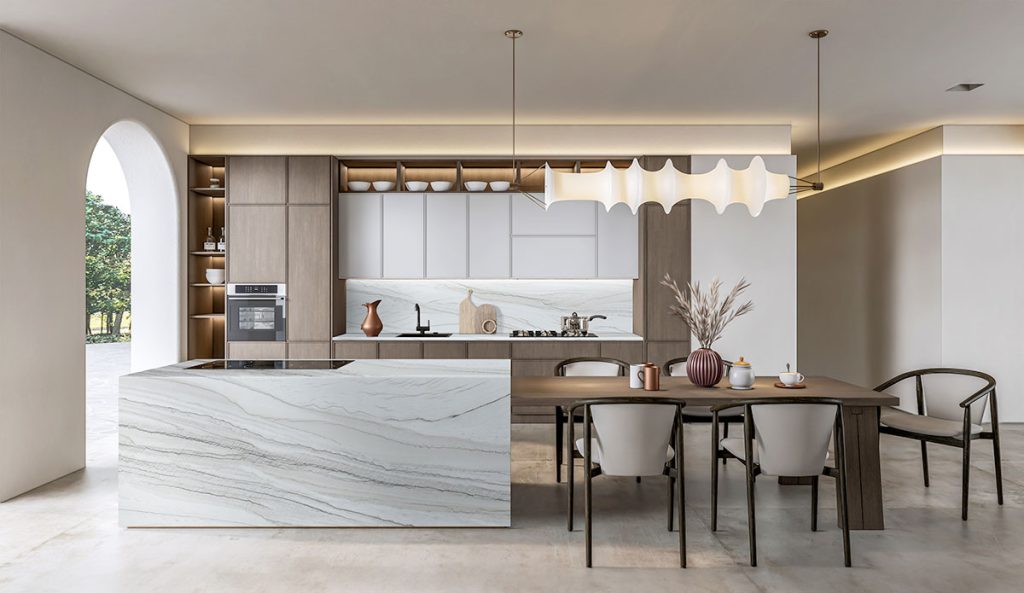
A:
x,y
886,64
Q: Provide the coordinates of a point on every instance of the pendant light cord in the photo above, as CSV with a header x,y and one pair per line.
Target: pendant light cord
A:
x,y
515,169
818,100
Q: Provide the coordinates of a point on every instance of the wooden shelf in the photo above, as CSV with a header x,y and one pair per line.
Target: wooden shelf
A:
x,y
202,284
208,316
209,253
207,209
213,192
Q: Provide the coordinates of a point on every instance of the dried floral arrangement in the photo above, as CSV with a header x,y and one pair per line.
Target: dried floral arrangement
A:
x,y
705,313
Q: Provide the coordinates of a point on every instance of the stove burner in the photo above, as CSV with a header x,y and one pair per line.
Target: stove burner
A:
x,y
549,333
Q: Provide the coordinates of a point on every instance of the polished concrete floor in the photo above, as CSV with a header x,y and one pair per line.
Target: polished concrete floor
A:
x,y
64,536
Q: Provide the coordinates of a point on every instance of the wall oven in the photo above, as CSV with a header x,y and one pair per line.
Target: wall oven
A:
x,y
256,312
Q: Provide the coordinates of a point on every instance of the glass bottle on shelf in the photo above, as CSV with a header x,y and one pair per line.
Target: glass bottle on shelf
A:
x,y
210,244
222,244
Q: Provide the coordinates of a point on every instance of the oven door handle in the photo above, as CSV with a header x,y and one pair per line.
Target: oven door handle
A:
x,y
284,308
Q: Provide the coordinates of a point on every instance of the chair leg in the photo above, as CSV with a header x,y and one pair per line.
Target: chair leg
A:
x,y
671,501
924,461
725,433
965,486
638,479
844,505
714,476
559,421
587,501
814,503
679,461
999,464
751,529
570,469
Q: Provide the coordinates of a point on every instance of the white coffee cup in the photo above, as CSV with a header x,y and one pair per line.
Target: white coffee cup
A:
x,y
790,379
636,375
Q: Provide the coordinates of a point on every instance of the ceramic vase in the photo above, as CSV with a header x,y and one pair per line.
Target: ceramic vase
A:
x,y
372,325
704,367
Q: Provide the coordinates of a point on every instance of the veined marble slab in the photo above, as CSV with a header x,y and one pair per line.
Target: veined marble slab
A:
x,y
376,443
521,304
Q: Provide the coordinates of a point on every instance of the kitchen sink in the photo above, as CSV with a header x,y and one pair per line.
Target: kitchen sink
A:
x,y
424,335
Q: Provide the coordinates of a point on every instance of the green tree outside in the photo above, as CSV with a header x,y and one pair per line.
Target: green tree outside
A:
x,y
108,274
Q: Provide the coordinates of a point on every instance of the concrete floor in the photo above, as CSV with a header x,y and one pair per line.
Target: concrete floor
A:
x,y
64,536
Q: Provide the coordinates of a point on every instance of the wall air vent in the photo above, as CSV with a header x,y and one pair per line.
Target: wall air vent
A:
x,y
965,86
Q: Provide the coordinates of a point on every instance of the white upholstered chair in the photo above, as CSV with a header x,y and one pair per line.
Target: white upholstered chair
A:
x,y
580,367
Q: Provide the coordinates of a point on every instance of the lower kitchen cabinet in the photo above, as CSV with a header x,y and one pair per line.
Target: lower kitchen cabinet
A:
x,y
309,350
355,350
555,350
533,368
631,352
444,350
257,350
400,350
489,350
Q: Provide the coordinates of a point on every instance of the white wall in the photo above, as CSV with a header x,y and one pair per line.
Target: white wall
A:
x,y
762,249
982,273
51,116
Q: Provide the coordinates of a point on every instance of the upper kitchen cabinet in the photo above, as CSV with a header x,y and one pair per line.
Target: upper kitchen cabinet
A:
x,y
258,237
309,180
554,257
560,219
490,228
446,248
258,179
360,235
617,242
403,235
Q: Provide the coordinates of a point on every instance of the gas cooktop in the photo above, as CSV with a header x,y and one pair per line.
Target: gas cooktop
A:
x,y
548,333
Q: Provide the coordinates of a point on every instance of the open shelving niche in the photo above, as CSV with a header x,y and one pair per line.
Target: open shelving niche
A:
x,y
459,171
206,301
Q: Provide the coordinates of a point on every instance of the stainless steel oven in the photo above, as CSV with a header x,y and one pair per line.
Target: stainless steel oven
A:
x,y
257,312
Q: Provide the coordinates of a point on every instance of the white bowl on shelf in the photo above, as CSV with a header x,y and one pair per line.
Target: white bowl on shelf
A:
x,y
476,185
215,276
440,185
383,185
358,185
416,185
500,185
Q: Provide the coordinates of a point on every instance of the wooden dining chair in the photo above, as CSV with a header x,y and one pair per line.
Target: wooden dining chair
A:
x,y
951,405
786,437
702,414
595,366
634,437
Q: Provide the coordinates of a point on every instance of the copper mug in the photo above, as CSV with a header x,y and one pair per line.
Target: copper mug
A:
x,y
652,378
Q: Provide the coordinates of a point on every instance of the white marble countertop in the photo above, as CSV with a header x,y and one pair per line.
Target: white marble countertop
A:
x,y
393,337
357,368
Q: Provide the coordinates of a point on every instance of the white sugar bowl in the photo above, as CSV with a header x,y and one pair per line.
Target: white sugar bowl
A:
x,y
741,375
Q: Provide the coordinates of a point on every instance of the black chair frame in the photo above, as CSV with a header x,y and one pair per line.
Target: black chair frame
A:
x,y
673,468
753,469
964,442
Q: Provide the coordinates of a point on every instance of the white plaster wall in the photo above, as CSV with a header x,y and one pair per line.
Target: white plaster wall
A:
x,y
51,116
982,279
761,249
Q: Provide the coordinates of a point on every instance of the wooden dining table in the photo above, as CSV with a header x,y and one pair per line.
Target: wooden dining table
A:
x,y
860,417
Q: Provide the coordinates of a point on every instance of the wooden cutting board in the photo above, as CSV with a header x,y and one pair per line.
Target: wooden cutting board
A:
x,y
486,320
467,314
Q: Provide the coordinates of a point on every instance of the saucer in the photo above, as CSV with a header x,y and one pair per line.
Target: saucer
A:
x,y
740,388
782,385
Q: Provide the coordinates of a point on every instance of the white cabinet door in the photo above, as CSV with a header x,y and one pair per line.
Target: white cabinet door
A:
x,y
489,236
446,235
554,257
562,218
359,236
403,236
617,243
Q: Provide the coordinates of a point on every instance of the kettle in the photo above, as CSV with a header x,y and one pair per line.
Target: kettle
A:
x,y
741,375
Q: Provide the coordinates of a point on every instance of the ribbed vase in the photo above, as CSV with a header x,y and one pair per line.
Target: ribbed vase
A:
x,y
704,367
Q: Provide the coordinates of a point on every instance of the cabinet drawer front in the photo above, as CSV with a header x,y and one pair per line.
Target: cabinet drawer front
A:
x,y
309,350
490,350
533,368
444,350
631,352
556,351
257,350
554,257
400,350
355,350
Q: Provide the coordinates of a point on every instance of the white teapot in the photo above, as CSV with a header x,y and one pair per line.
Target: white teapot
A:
x,y
741,375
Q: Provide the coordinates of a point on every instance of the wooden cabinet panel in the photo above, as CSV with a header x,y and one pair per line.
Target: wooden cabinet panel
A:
x,y
557,350
666,250
490,350
400,350
309,180
257,242
257,179
659,352
360,238
444,349
561,218
309,269
617,243
257,350
533,368
403,236
631,352
554,257
355,350
446,235
309,350
490,236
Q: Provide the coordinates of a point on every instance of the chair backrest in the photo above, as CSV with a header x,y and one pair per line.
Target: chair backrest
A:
x,y
677,367
792,438
943,389
591,367
633,439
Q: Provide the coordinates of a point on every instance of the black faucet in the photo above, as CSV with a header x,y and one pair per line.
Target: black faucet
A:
x,y
421,328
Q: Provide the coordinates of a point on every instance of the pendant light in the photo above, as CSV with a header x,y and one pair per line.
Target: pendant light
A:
x,y
517,171
805,184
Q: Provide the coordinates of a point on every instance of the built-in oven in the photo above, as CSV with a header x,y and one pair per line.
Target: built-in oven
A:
x,y
256,312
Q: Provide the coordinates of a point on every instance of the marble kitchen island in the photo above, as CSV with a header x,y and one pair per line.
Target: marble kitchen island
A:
x,y
373,443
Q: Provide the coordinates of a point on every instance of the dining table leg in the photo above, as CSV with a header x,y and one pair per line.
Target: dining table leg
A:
x,y
863,468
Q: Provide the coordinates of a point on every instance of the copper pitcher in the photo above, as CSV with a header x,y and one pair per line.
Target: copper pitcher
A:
x,y
652,378
372,325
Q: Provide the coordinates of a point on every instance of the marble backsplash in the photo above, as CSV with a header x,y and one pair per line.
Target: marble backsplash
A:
x,y
521,304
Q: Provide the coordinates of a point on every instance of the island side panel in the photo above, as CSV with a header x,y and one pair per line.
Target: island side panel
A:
x,y
319,450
